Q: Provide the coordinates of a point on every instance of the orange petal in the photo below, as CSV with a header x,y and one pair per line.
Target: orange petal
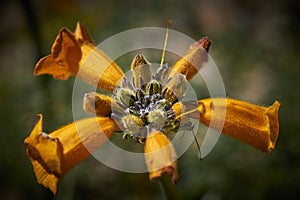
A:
x,y
160,156
180,111
192,61
98,69
44,178
81,34
55,154
73,51
255,125
64,58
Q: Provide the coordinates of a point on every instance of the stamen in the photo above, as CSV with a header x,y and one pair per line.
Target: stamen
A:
x,y
165,43
186,113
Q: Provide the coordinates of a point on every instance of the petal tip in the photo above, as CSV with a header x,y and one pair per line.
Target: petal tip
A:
x,y
81,33
205,43
272,114
169,171
45,154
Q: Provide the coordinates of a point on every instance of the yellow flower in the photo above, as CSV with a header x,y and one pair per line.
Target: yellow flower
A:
x,y
146,110
54,154
249,123
68,54
160,156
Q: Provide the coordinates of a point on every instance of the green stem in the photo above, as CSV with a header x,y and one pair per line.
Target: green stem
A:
x,y
168,187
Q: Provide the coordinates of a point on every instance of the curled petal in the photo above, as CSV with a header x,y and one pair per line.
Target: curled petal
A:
x,y
73,51
160,156
192,61
255,125
64,59
52,155
81,34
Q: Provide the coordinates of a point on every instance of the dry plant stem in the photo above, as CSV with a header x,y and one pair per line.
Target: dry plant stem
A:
x,y
168,187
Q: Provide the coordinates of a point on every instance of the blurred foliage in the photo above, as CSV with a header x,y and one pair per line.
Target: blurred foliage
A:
x,y
255,45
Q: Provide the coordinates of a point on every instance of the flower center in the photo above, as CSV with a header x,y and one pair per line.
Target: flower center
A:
x,y
146,103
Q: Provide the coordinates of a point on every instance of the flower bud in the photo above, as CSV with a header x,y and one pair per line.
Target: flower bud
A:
x,y
97,103
141,71
126,96
175,88
132,124
153,87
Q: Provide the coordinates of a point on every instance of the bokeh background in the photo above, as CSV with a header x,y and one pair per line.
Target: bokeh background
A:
x,y
255,45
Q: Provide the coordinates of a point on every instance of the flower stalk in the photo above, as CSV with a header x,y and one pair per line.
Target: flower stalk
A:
x,y
168,187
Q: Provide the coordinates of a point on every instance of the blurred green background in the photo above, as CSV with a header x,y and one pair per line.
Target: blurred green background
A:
x,y
255,45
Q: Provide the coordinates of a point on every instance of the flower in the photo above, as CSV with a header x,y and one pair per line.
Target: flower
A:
x,y
146,109
54,154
